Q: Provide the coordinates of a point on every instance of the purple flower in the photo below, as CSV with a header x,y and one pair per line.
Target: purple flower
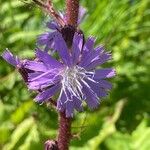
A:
x,y
16,62
47,39
74,76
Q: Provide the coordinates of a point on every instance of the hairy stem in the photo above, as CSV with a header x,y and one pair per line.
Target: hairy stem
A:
x,y
48,7
72,12
64,132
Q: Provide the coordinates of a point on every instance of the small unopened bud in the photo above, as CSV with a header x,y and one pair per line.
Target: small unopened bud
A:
x,y
51,145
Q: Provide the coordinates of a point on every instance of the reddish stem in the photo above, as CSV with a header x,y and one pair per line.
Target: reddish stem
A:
x,y
64,132
72,12
48,7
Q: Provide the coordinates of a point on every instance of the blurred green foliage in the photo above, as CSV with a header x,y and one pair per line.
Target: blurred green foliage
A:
x,y
122,121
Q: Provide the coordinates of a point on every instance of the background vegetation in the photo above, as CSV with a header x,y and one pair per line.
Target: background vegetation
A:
x,y
122,121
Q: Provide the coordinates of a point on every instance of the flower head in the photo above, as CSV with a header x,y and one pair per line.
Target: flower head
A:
x,y
16,62
47,39
74,76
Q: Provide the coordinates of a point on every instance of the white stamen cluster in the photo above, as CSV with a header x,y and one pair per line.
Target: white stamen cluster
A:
x,y
71,81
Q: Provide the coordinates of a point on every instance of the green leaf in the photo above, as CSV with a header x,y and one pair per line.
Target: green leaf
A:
x,y
8,81
21,111
118,141
32,140
141,136
18,133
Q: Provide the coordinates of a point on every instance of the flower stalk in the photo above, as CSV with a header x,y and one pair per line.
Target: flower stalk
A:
x,y
64,132
49,8
64,135
72,12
